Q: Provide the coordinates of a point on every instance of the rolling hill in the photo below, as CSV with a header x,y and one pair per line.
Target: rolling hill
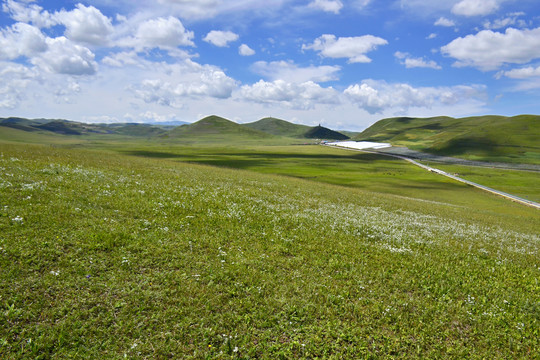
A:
x,y
213,128
279,127
488,138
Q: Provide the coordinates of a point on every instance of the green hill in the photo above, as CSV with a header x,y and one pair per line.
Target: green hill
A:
x,y
320,132
214,128
279,127
488,138
284,128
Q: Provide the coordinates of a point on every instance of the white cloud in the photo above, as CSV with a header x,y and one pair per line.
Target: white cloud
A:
x,y
166,33
489,50
220,38
21,40
521,73
304,95
245,50
287,70
411,62
475,7
333,6
442,21
194,8
65,57
14,81
353,48
85,24
511,19
378,96
431,36
169,84
122,59
28,13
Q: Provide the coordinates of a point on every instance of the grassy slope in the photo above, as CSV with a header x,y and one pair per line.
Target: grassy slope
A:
x,y
491,138
106,256
279,127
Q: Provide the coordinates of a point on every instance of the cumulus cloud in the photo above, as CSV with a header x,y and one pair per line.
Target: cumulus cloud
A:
x,y
245,50
333,6
65,57
28,13
85,24
475,7
378,96
169,84
442,21
521,73
220,38
353,48
165,33
288,70
292,95
489,50
21,40
412,62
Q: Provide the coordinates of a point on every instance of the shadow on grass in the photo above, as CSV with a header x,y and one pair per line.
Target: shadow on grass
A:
x,y
241,156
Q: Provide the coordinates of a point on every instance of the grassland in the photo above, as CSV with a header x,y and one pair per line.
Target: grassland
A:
x,y
115,247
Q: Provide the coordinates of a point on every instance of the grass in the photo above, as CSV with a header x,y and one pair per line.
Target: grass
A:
x,y
106,255
380,174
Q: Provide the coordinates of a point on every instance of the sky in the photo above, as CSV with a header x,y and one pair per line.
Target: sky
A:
x,y
341,63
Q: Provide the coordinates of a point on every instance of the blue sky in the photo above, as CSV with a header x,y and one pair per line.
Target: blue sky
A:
x,y
342,63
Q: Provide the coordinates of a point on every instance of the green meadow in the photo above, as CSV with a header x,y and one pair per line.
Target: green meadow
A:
x,y
156,248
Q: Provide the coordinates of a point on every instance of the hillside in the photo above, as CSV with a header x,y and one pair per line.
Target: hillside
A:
x,y
320,132
488,138
279,127
215,128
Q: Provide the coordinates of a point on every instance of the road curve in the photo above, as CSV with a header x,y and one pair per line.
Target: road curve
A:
x,y
444,173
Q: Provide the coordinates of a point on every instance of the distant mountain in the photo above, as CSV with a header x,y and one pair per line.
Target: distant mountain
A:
x,y
279,127
215,128
321,132
490,138
65,127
